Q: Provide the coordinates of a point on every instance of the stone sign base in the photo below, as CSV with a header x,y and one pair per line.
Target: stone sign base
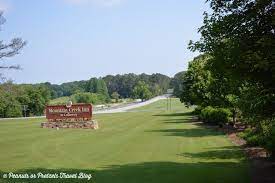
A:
x,y
83,124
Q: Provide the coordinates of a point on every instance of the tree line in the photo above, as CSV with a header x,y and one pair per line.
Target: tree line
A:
x,y
234,75
30,99
111,85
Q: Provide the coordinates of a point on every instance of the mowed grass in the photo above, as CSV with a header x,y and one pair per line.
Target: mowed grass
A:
x,y
148,144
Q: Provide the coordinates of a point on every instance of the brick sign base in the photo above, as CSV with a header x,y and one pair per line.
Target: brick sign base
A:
x,y
83,125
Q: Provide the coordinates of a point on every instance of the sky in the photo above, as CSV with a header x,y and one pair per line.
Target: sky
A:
x,y
69,40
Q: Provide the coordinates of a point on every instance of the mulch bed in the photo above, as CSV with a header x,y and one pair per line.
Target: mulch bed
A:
x,y
262,168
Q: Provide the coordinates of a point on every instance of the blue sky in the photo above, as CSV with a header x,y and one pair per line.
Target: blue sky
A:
x,y
77,39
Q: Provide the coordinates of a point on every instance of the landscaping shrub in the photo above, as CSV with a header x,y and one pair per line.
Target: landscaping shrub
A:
x,y
255,140
246,133
263,136
215,115
197,110
206,113
268,133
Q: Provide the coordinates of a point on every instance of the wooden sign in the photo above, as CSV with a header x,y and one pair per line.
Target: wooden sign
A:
x,y
69,113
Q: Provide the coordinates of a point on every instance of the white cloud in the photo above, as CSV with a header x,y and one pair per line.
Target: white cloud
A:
x,y
98,2
4,6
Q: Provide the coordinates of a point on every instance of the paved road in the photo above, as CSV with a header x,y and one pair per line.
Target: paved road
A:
x,y
131,106
117,110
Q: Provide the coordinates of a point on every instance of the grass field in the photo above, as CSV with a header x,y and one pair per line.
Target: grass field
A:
x,y
144,145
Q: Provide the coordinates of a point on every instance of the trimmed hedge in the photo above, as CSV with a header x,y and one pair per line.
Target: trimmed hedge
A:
x,y
215,116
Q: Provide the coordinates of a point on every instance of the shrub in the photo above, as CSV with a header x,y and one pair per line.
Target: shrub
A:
x,y
263,136
215,115
270,143
14,110
197,110
255,139
252,137
206,113
268,133
246,133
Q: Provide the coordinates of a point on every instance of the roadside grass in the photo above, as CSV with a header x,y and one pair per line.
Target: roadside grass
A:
x,y
148,144
164,106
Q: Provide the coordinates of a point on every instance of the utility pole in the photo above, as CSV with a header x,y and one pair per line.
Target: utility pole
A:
x,y
167,104
25,108
169,93
170,103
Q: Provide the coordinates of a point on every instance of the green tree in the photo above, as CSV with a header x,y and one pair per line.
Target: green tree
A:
x,y
203,88
124,84
99,86
141,91
88,98
195,83
9,105
84,98
37,103
115,96
176,83
34,97
239,37
102,88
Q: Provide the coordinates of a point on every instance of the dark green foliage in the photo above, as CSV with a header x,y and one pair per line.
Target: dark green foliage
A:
x,y
262,135
124,84
9,106
215,115
203,88
252,137
195,83
94,85
176,83
38,100
89,98
197,110
96,90
158,83
237,71
141,91
72,87
239,37
98,86
115,96
13,97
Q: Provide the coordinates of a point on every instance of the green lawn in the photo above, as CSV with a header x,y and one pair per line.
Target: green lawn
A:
x,y
144,145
